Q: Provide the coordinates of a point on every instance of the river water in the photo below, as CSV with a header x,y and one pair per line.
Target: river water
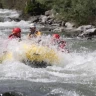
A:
x,y
74,75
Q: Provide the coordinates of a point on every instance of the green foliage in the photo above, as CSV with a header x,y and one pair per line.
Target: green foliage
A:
x,y
80,11
47,3
35,8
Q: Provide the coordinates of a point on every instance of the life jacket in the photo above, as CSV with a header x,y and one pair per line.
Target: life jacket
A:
x,y
34,34
55,41
12,36
62,44
38,33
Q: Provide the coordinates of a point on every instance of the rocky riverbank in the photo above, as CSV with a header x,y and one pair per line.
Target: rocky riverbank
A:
x,y
48,21
50,24
70,29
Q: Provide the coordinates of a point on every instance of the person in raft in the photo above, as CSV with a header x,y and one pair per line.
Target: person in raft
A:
x,y
33,31
16,33
61,44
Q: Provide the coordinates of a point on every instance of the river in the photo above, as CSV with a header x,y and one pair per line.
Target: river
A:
x,y
74,75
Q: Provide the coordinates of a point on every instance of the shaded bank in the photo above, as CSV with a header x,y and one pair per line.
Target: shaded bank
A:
x,y
81,12
51,21
13,4
27,7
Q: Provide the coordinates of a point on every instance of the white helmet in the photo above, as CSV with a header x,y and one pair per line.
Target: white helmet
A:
x,y
32,25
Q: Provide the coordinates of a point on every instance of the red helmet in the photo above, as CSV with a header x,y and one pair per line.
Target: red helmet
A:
x,y
57,36
16,30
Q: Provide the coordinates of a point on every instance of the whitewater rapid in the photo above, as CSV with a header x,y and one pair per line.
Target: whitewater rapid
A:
x,y
77,66
74,75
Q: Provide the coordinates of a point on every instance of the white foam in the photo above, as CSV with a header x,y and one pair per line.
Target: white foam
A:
x,y
77,66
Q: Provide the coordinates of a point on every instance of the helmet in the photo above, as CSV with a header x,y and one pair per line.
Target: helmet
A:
x,y
32,25
57,36
16,30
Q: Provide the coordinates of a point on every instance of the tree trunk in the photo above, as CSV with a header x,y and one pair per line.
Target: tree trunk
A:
x,y
33,1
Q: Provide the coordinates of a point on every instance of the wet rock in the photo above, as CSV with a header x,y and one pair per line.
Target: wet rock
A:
x,y
49,13
62,24
46,29
58,29
88,33
69,25
71,32
85,27
34,19
11,94
43,19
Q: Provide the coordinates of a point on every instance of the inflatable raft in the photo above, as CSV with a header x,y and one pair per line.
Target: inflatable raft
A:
x,y
33,55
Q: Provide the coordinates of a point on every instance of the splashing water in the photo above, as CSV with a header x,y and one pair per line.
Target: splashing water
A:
x,y
73,75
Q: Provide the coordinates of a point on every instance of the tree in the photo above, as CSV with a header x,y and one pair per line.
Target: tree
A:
x,y
35,8
80,11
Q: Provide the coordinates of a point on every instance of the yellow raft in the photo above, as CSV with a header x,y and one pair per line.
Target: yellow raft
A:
x,y
5,56
34,53
40,53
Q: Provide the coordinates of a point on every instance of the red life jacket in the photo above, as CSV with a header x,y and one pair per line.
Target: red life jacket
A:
x,y
55,41
12,36
62,44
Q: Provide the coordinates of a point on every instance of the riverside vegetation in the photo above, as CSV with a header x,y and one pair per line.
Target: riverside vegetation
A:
x,y
78,11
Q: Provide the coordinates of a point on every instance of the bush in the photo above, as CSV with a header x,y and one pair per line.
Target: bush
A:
x,y
35,8
80,11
